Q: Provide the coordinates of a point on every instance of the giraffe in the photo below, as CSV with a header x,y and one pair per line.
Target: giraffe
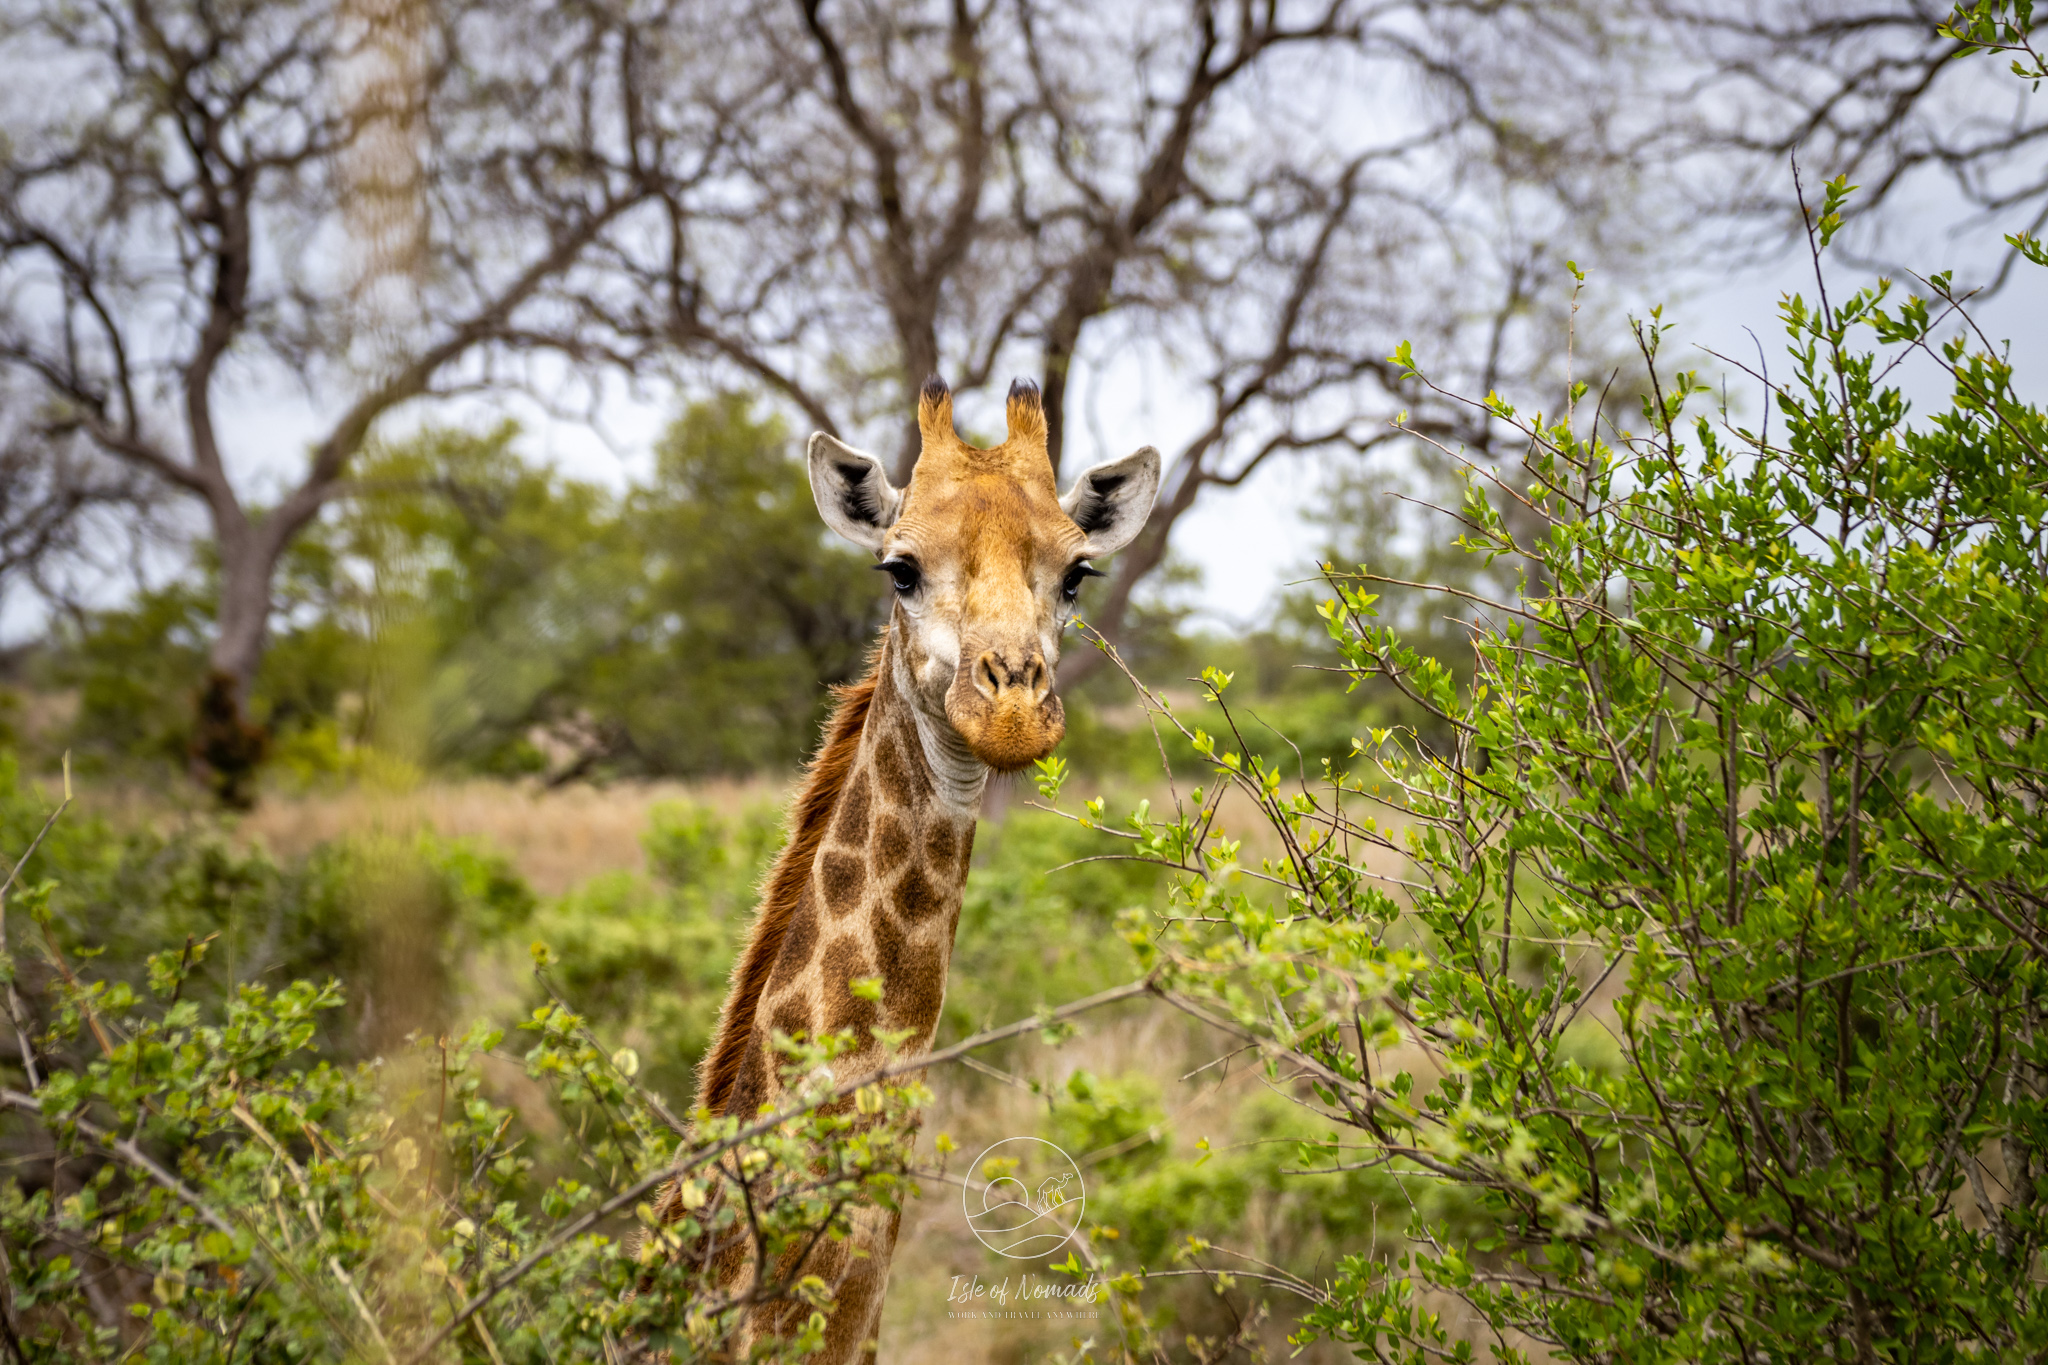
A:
x,y
987,562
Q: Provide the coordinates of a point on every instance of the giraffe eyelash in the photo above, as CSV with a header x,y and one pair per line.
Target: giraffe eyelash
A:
x,y
903,573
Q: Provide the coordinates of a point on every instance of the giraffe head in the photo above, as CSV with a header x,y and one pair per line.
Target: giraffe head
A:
x,y
987,561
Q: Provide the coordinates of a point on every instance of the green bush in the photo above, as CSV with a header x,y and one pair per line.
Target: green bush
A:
x,y
215,1157
645,958
1037,924
130,892
1752,785
1254,1181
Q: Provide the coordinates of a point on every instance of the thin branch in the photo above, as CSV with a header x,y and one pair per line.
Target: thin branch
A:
x,y
646,1185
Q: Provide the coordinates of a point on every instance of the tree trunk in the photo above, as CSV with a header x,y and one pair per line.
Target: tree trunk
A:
x,y
227,747
919,340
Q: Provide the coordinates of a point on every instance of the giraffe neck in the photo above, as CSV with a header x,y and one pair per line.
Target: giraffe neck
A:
x,y
869,885
883,893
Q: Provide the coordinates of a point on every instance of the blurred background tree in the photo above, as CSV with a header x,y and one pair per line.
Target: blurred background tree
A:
x,y
379,207
743,610
198,200
481,613
1910,99
374,210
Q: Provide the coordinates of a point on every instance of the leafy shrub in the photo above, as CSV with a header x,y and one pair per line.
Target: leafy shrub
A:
x,y
1037,923
199,1174
719,859
1114,1125
1254,1182
130,892
646,965
645,958
1752,784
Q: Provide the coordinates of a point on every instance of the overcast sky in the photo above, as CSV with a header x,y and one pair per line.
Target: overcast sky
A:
x,y
1242,570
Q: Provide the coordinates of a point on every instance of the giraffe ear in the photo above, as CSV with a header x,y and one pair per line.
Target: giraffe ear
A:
x,y
1111,501
853,492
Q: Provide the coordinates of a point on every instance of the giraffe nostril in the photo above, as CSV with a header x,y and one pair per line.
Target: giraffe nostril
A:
x,y
1034,674
994,675
987,680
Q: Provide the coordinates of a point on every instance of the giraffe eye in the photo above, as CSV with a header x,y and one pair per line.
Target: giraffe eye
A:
x,y
903,573
1070,587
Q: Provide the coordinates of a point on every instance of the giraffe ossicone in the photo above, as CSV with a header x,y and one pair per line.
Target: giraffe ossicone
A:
x,y
986,560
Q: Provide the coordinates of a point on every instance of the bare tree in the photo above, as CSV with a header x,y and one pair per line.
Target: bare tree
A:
x,y
1882,91
379,201
390,202
1255,200
57,498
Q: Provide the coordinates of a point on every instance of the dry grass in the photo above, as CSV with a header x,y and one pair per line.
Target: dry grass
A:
x,y
555,839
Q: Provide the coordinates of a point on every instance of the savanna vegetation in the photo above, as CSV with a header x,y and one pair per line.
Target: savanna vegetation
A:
x,y
1603,918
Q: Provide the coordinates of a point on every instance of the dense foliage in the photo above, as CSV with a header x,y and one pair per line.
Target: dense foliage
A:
x,y
1709,951
474,610
221,1151
306,1109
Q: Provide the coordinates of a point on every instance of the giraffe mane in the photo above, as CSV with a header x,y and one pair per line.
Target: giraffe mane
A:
x,y
809,816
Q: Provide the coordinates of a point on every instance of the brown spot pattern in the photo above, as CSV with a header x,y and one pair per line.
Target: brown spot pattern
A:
x,y
846,1010
917,900
852,825
892,845
913,982
843,876
888,953
966,859
842,1007
792,1015
938,845
892,782
787,1315
845,958
827,1260
799,941
855,1318
783,1317
733,1255
918,988
913,765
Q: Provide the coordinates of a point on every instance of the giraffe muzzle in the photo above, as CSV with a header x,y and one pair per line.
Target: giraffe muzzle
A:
x,y
1002,703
